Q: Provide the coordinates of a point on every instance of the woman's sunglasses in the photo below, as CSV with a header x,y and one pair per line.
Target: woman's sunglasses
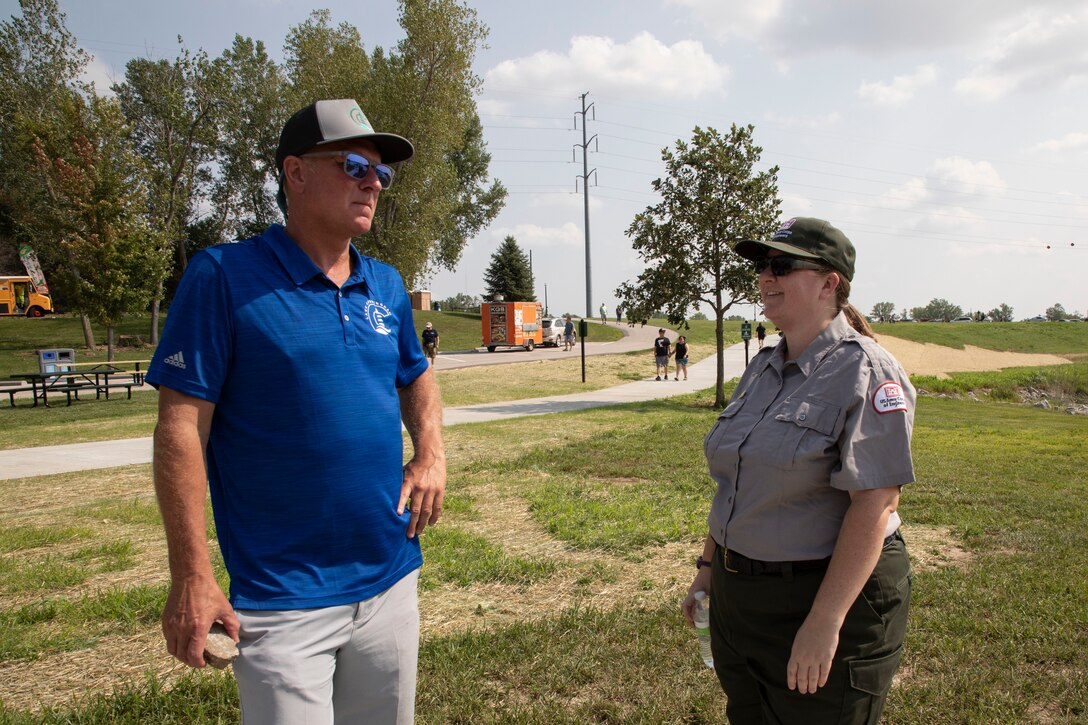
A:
x,y
356,166
781,266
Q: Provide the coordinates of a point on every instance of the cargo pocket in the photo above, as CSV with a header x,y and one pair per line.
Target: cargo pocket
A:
x,y
874,676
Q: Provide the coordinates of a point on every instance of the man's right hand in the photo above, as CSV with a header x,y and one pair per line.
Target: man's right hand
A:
x,y
193,605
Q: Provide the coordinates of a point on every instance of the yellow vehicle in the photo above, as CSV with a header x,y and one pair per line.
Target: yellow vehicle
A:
x,y
19,296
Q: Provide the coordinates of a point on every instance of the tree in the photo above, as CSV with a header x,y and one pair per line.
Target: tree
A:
x,y
1001,313
109,259
460,302
1056,313
937,309
424,91
509,274
249,93
883,311
170,109
40,65
711,198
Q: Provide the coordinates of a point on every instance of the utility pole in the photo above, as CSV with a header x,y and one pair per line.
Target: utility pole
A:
x,y
585,190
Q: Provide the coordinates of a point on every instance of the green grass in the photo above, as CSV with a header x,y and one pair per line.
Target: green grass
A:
x,y
457,557
50,572
18,538
202,696
1065,381
1056,338
1000,639
59,624
82,421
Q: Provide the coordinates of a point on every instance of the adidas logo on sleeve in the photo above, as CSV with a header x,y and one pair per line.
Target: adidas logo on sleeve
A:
x,y
176,360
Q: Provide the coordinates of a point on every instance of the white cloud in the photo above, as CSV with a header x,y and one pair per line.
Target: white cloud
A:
x,y
798,28
901,89
905,196
811,123
733,19
1031,52
957,174
102,75
535,236
1069,142
643,65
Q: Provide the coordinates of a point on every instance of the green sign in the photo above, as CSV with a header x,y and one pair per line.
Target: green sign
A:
x,y
746,330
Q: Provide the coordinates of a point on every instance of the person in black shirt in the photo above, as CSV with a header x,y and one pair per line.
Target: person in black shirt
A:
x,y
661,353
681,353
430,342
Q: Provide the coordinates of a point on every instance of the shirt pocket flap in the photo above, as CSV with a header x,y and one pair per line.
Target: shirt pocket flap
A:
x,y
810,413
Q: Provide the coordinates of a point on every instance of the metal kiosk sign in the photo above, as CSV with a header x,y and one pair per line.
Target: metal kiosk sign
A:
x,y
746,335
583,332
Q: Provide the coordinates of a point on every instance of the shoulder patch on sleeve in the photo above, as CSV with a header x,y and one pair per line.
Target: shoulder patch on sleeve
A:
x,y
889,397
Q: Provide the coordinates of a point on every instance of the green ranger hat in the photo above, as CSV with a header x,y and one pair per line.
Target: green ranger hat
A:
x,y
808,238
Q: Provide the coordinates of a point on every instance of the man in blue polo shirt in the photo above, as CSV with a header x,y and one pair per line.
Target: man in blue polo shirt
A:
x,y
285,370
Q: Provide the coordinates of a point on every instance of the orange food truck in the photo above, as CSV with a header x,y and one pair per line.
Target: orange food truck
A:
x,y
512,324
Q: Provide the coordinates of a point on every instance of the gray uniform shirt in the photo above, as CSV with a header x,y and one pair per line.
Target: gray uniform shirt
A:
x,y
797,436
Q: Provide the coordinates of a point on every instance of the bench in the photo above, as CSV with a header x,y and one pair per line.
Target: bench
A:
x,y
21,389
127,386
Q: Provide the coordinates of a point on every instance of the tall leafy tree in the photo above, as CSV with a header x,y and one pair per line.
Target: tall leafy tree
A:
x,y
1058,313
509,275
712,197
39,67
883,311
249,96
1001,313
170,108
108,258
424,90
937,309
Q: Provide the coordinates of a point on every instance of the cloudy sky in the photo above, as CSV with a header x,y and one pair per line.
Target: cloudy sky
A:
x,y
949,140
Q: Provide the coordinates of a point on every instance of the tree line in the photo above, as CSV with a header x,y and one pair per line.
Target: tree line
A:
x,y
115,191
941,310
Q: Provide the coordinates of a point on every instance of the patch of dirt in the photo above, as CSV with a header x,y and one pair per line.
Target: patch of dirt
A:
x,y
925,358
933,547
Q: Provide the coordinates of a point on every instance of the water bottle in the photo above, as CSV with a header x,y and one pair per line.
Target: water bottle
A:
x,y
701,615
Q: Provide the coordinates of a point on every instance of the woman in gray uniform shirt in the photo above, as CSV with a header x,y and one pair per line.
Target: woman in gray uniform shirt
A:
x,y
808,574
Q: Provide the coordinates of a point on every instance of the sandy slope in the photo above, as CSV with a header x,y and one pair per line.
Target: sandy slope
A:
x,y
929,359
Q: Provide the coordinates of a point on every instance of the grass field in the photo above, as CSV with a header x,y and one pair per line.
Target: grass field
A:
x,y
551,589
1058,338
20,337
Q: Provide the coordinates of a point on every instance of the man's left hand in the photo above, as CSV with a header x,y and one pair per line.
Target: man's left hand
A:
x,y
423,489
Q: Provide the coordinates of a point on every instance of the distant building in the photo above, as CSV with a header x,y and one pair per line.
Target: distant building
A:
x,y
421,300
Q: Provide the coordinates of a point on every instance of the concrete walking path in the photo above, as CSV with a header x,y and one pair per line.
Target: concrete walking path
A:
x,y
49,460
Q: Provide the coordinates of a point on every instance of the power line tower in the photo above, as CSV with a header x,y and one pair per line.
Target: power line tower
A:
x,y
586,173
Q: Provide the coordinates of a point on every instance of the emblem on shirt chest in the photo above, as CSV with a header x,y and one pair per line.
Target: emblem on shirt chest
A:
x,y
376,313
889,397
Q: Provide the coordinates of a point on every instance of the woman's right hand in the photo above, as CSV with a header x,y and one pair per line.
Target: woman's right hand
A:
x,y
700,584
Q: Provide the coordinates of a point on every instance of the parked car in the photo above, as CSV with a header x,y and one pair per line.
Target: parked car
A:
x,y
964,319
552,327
1037,318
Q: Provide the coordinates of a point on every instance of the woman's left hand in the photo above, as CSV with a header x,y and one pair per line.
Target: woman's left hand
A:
x,y
810,659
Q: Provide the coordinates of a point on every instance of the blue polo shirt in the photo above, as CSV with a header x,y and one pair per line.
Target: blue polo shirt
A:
x,y
305,452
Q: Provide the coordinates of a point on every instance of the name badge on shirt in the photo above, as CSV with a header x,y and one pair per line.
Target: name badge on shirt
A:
x,y
889,397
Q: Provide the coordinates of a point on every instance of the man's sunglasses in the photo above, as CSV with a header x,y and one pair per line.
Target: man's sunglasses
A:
x,y
356,166
781,266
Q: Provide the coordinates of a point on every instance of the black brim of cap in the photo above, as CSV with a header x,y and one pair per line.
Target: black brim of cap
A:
x,y
751,249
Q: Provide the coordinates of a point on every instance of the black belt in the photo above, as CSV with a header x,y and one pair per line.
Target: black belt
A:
x,y
740,564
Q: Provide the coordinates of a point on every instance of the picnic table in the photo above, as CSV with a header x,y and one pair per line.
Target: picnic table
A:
x,y
71,382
